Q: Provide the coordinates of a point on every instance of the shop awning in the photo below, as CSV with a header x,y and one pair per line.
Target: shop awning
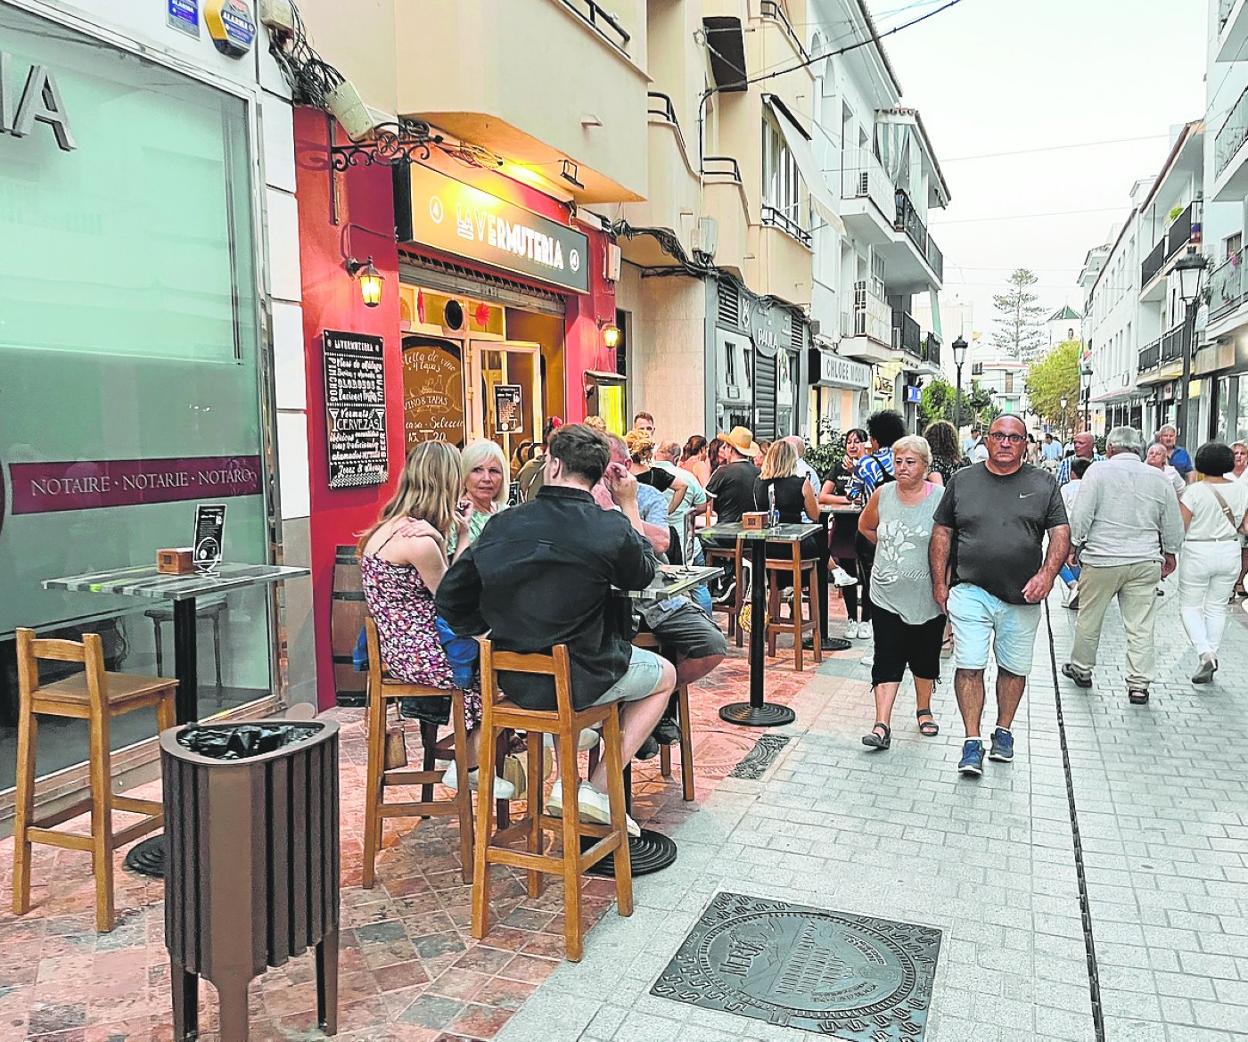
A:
x,y
798,142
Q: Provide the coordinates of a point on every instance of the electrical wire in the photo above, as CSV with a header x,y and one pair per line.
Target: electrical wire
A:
x,y
1056,148
1025,216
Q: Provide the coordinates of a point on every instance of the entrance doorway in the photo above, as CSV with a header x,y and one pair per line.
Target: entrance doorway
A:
x,y
504,392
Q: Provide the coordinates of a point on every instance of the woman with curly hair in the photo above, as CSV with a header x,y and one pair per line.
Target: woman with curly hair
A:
x,y
942,437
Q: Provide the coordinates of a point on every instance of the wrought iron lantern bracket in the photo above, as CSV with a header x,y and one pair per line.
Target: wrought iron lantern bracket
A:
x,y
390,144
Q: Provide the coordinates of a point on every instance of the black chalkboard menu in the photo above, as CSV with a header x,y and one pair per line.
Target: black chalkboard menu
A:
x,y
355,409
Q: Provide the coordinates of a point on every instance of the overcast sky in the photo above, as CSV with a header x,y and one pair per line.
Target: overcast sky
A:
x,y
993,76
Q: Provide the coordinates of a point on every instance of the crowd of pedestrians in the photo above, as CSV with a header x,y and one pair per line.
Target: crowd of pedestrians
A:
x,y
949,549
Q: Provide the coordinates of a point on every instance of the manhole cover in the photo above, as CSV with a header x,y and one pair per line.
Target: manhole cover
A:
x,y
762,756
853,976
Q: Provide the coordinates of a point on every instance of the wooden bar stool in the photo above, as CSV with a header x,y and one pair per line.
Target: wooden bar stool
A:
x,y
96,696
651,643
565,724
715,556
797,570
381,692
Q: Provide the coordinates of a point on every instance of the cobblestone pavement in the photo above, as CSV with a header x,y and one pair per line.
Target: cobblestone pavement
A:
x,y
1162,812
1162,819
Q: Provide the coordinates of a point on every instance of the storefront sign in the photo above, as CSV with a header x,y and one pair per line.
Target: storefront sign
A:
x,y
355,409
209,535
47,488
37,101
843,372
433,392
183,15
508,409
231,26
461,219
884,386
913,394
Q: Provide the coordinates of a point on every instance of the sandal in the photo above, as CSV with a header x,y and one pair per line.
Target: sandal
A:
x,y
927,728
878,741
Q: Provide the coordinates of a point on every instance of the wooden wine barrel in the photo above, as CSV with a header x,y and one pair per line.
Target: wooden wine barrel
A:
x,y
346,621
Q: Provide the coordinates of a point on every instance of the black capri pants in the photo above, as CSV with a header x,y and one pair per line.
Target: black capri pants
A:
x,y
898,645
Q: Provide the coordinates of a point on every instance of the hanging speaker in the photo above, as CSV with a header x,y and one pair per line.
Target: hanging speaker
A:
x,y
453,315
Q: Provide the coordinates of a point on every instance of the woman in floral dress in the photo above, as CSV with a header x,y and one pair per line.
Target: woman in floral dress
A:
x,y
402,561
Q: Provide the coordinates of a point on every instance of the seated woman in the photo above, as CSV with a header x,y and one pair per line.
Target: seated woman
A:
x,y
485,489
793,496
402,561
640,453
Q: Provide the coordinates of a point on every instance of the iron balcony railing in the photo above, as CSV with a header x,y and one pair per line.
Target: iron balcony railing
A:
x,y
721,166
1225,7
908,221
659,104
1226,286
779,219
1233,134
602,21
906,335
931,349
1152,263
1150,357
1180,231
1166,348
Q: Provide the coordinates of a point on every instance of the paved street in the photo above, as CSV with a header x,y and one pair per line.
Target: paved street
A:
x,y
1161,815
896,835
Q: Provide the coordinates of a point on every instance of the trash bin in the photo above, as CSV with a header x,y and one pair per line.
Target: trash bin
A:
x,y
251,816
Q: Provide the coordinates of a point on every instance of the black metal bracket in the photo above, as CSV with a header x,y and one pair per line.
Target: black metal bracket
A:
x,y
390,144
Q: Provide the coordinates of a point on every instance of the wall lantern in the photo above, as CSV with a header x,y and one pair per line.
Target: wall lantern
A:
x,y
370,279
611,336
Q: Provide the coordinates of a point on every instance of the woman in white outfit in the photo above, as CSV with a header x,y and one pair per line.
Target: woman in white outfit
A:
x,y
1214,514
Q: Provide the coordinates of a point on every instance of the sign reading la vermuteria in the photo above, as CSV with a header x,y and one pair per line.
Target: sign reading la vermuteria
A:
x,y
355,409
449,215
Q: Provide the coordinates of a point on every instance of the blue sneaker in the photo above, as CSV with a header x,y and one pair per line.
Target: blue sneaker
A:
x,y
972,761
1002,746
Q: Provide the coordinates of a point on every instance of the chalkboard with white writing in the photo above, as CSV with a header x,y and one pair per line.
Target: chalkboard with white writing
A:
x,y
355,409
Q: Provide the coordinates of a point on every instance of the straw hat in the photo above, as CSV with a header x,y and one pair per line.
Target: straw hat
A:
x,y
741,439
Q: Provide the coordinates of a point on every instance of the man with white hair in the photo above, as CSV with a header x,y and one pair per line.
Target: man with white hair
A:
x,y
1127,529
1180,458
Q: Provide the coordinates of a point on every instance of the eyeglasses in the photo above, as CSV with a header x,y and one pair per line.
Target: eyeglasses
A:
x,y
1013,439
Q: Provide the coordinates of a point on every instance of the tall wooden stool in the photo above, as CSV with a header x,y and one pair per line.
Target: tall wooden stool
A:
x,y
797,570
651,643
716,556
381,692
565,724
96,696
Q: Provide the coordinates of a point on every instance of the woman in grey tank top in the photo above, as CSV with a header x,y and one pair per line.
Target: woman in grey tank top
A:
x,y
906,620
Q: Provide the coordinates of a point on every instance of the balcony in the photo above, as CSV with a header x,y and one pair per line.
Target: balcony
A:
x,y
1159,262
673,193
868,198
1226,287
906,335
866,334
930,354
592,113
913,261
723,198
779,219
1160,360
1230,158
1232,30
782,264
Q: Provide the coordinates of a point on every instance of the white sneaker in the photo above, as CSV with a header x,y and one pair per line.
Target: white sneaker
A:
x,y
587,739
594,806
840,577
503,789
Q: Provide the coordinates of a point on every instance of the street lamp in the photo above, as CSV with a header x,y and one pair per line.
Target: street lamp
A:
x,y
1065,400
959,356
1191,268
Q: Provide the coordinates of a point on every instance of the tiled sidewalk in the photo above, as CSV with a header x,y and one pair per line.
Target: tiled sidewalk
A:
x,y
1163,818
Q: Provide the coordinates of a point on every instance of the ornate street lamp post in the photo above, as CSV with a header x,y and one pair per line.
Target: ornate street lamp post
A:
x,y
959,357
1191,269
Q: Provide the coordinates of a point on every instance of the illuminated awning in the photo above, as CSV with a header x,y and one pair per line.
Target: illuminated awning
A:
x,y
798,143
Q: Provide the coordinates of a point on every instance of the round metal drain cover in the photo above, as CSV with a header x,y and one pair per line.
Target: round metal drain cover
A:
x,y
831,972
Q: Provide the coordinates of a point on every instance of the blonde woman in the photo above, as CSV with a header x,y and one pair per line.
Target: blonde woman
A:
x,y
402,562
793,495
640,454
486,487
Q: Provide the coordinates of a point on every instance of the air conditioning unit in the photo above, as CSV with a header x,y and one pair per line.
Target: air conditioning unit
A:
x,y
611,263
706,237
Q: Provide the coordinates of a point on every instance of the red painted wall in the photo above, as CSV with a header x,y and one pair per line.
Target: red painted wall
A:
x,y
331,300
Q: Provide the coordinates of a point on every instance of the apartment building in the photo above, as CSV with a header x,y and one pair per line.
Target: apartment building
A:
x,y
1221,364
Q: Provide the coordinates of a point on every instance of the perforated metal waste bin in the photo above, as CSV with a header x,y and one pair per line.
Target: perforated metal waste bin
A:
x,y
253,861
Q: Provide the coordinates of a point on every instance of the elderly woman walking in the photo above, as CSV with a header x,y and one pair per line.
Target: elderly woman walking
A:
x,y
1215,511
906,619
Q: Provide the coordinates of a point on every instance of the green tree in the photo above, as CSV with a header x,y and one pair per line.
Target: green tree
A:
x,y
938,402
1052,378
1018,331
982,404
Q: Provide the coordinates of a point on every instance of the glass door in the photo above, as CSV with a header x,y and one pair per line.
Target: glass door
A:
x,y
505,390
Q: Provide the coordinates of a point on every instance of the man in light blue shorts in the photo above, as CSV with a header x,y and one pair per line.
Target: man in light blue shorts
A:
x,y
990,574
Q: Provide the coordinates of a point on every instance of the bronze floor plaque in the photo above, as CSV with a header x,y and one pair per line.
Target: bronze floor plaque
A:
x,y
856,977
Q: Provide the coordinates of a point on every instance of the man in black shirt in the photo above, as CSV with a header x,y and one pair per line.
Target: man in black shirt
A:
x,y
732,485
549,572
990,575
